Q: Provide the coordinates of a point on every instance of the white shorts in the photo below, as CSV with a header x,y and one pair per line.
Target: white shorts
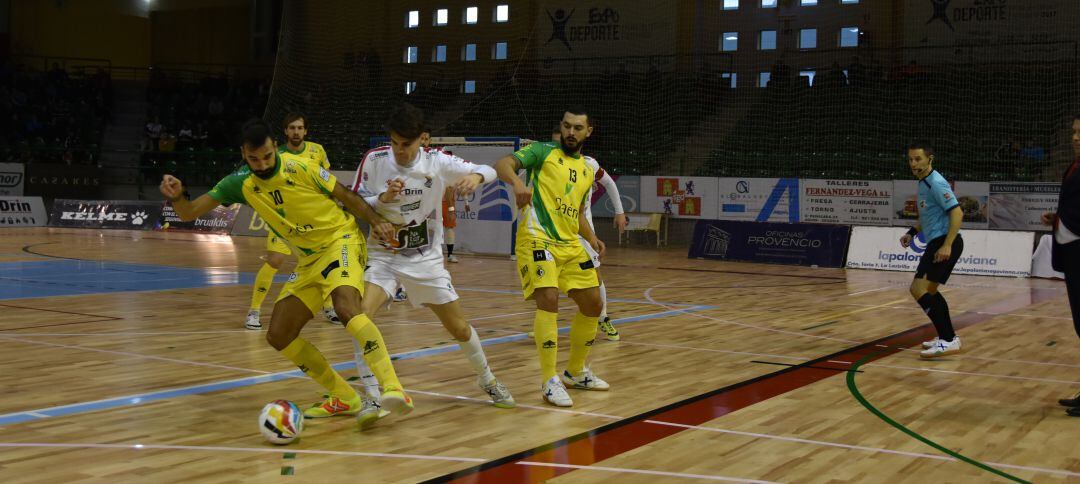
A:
x,y
589,250
435,289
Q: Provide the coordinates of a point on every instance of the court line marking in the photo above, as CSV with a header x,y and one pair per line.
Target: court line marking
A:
x,y
869,290
642,471
260,450
114,402
757,435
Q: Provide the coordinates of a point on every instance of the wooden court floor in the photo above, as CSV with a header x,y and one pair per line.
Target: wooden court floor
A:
x,y
126,361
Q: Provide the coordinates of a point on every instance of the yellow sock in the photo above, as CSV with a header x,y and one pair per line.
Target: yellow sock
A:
x,y
546,330
375,353
582,336
263,280
314,365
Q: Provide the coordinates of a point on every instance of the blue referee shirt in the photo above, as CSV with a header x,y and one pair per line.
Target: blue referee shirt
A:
x,y
936,200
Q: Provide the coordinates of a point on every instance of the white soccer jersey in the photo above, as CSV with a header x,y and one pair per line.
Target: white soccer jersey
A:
x,y
417,214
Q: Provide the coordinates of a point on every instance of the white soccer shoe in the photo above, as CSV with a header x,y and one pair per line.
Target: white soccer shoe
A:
x,y
331,315
554,393
930,344
370,412
452,258
942,348
585,381
500,395
252,321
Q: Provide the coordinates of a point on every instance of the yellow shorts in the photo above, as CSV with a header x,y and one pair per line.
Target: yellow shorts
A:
x,y
545,264
277,244
340,264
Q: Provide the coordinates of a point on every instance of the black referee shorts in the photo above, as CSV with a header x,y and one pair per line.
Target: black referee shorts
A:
x,y
939,272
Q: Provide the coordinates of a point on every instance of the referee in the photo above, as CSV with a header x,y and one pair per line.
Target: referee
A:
x,y
939,221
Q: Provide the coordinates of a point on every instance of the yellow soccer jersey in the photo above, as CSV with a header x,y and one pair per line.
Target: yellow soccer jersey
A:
x,y
295,202
313,152
560,183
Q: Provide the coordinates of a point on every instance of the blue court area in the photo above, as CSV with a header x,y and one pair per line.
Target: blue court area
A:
x,y
29,279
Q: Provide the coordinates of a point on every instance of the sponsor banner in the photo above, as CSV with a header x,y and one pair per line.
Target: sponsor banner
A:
x,y
249,223
22,212
1019,206
220,220
973,198
778,243
759,199
986,252
581,30
105,214
485,218
680,196
11,179
57,180
989,30
629,191
852,202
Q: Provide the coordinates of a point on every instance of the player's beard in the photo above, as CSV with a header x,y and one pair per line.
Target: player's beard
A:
x,y
264,174
571,149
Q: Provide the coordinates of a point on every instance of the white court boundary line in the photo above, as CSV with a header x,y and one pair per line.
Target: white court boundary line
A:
x,y
260,450
642,471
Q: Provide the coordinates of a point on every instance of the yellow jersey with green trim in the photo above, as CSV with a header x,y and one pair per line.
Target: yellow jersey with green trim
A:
x,y
313,152
295,201
560,183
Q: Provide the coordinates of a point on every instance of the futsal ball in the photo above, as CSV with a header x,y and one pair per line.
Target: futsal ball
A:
x,y
281,422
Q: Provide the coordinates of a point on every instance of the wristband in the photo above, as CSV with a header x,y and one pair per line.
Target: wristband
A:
x,y
912,231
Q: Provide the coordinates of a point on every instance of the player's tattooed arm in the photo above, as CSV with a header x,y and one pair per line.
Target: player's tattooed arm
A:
x,y
357,206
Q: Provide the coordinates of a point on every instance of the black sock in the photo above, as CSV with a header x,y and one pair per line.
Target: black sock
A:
x,y
935,307
449,250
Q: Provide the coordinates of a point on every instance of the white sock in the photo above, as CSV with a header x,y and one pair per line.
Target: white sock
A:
x,y
474,351
371,384
603,298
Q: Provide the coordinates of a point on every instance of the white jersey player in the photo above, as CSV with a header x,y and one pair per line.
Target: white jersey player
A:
x,y
405,183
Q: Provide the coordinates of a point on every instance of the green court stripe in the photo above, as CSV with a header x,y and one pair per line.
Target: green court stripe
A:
x,y
862,400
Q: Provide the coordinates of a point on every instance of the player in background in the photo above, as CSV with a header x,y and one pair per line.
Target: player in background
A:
x,y
299,202
406,184
550,258
295,147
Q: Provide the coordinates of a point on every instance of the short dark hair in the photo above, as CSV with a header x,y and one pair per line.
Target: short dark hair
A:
x,y
580,111
921,145
406,121
254,133
291,117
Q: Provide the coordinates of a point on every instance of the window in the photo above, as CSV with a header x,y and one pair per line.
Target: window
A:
x,y
729,41
763,79
410,87
731,76
468,87
438,54
412,19
809,75
767,40
498,52
471,15
468,53
442,15
808,39
807,3
849,37
849,1
502,13
731,4
768,3
410,54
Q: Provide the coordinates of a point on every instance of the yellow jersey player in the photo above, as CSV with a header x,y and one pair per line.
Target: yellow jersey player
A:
x,y
297,201
550,258
295,147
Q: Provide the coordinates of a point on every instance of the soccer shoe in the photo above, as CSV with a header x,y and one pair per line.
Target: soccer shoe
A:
x,y
930,344
370,412
1070,402
396,401
609,330
942,348
585,381
334,406
331,315
1073,412
252,321
400,295
554,393
500,395
452,258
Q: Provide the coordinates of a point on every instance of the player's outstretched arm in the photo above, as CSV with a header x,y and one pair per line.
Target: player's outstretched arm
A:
x,y
507,168
616,199
360,208
173,190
